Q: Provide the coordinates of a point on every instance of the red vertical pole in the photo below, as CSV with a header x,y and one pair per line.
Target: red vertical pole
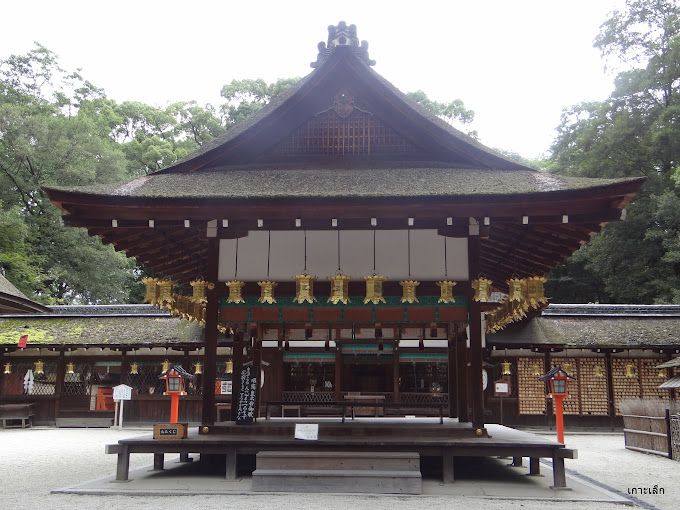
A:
x,y
174,408
559,418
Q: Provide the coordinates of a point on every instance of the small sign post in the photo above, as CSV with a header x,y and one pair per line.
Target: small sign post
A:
x,y
121,393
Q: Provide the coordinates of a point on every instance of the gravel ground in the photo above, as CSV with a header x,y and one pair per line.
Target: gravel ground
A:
x,y
35,461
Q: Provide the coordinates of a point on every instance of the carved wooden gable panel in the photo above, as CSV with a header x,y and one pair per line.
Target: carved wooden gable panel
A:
x,y
344,130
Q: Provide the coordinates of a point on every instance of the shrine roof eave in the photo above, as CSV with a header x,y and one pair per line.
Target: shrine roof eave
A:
x,y
589,332
400,186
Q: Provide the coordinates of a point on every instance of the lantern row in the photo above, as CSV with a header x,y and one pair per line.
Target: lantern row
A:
x,y
304,290
524,294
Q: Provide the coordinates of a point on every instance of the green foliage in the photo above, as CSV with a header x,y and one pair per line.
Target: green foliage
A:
x,y
453,112
636,131
245,97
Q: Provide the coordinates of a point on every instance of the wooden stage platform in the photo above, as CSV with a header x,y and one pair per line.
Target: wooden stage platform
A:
x,y
426,437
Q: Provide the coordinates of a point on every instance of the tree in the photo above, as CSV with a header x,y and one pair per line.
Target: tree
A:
x,y
245,97
51,134
453,112
636,131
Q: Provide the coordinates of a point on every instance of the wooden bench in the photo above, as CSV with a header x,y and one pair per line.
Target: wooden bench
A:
x,y
16,412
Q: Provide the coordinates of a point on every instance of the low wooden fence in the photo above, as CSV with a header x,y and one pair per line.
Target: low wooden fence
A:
x,y
674,425
659,435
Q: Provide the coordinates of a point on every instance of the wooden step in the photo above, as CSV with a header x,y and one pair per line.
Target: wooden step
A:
x,y
348,472
318,461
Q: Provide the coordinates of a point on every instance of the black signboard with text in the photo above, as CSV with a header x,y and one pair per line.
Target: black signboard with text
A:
x,y
246,396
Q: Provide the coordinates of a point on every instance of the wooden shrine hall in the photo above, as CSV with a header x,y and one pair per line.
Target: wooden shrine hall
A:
x,y
351,244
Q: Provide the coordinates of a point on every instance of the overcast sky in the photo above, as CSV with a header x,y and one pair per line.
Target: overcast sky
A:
x,y
517,64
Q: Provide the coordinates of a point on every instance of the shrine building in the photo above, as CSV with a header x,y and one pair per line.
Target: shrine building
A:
x,y
349,245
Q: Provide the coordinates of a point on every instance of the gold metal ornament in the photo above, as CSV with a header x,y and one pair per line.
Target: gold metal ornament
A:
x,y
482,288
70,367
536,370
267,292
39,367
446,291
134,368
164,297
505,368
150,296
304,288
374,289
517,289
568,368
235,289
198,368
166,366
599,372
409,291
229,367
8,368
535,291
200,288
339,289
630,370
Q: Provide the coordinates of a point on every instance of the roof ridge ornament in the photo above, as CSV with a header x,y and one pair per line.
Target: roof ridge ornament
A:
x,y
342,35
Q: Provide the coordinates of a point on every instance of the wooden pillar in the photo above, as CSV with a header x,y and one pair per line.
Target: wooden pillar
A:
x,y
462,377
211,320
237,358
475,314
257,364
59,383
337,393
611,409
452,332
395,371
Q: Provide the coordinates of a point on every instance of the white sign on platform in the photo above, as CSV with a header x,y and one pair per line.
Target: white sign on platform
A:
x,y
307,431
122,392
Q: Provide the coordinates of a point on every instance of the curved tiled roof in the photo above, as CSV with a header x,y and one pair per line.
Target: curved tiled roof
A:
x,y
596,326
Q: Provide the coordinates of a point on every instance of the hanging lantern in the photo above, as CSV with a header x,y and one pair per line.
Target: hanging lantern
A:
x,y
536,370
165,297
630,370
235,289
482,288
200,288
599,372
505,368
267,292
39,367
374,289
339,289
409,291
70,367
446,291
517,289
166,365
198,368
134,368
535,291
568,368
8,368
150,296
662,374
304,288
230,367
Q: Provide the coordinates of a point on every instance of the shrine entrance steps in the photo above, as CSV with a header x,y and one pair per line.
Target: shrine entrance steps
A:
x,y
341,471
